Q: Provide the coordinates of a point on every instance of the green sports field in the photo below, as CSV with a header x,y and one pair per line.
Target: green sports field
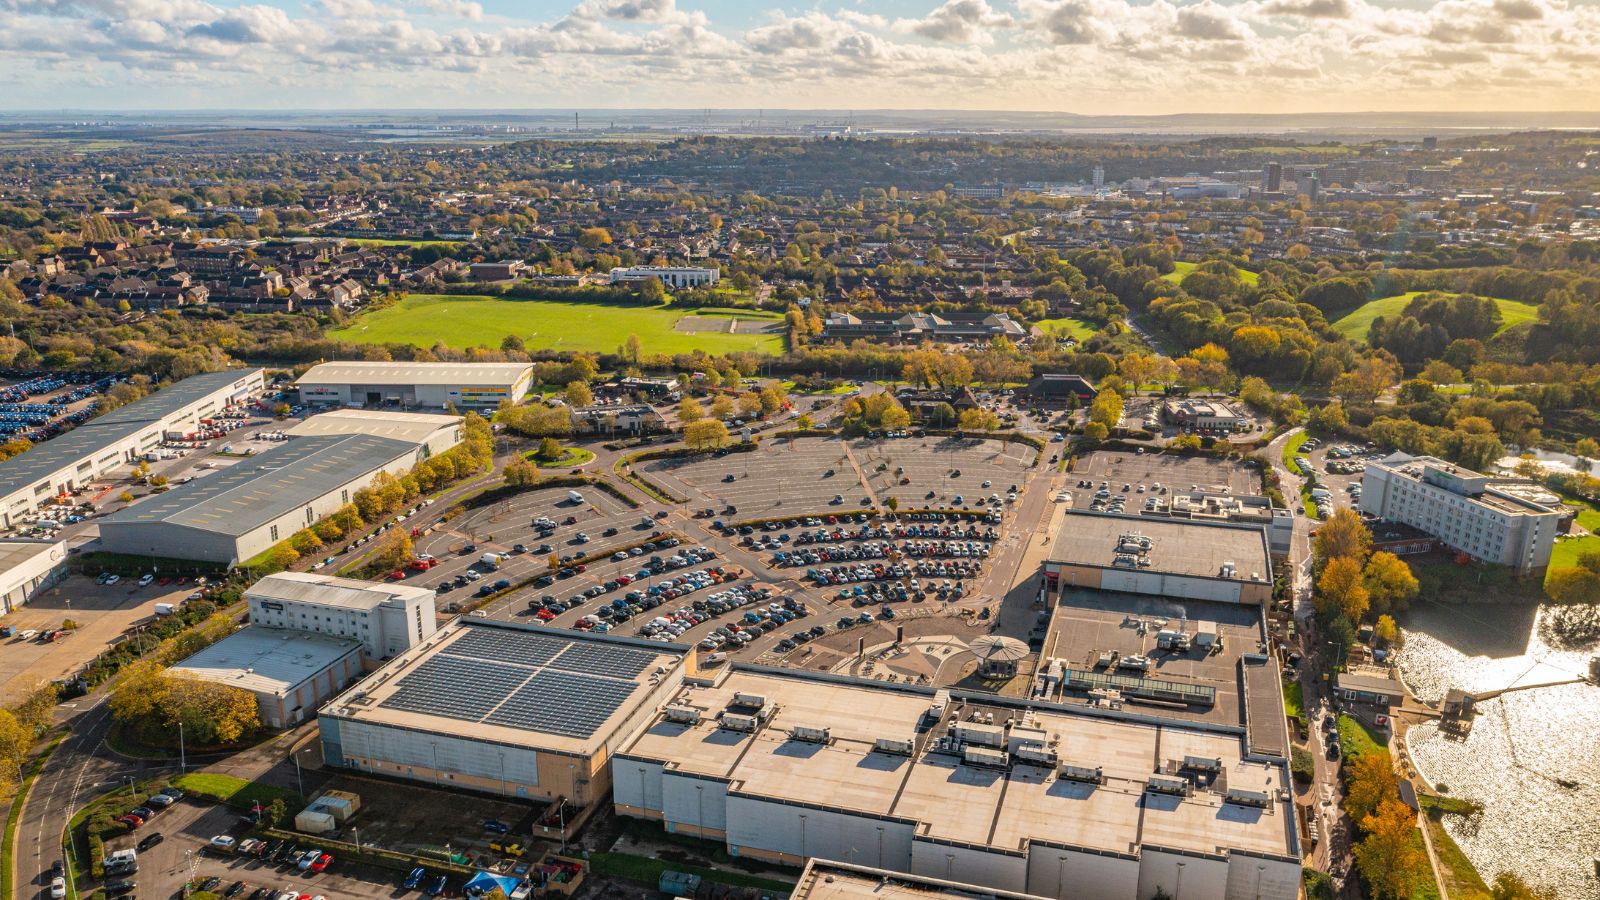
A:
x,y
1074,327
1356,325
468,321
1181,269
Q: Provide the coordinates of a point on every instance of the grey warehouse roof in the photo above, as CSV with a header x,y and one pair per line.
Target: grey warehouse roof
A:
x,y
252,493
90,438
329,590
268,660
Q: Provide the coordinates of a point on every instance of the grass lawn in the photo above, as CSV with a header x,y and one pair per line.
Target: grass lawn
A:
x,y
236,791
573,456
1076,328
1291,449
467,321
1293,699
1461,878
1356,324
1357,740
1181,270
1566,551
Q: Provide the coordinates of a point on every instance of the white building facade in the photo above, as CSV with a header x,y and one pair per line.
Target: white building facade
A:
x,y
671,276
28,567
435,386
387,619
1468,512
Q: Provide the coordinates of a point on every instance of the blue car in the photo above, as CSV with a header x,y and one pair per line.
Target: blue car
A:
x,y
414,879
496,826
437,887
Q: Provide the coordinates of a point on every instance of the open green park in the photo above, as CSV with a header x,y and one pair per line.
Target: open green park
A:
x,y
471,320
1071,326
1181,270
1356,324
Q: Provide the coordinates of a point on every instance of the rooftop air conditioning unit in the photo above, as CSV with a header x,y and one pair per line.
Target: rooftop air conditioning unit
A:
x,y
1242,797
809,734
988,759
683,715
753,701
1207,764
1082,774
736,722
1038,756
1163,784
893,746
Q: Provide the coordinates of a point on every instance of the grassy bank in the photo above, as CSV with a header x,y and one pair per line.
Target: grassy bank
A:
x,y
1461,878
1356,324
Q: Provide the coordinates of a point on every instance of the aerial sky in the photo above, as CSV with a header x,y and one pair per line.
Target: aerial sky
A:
x,y
1078,56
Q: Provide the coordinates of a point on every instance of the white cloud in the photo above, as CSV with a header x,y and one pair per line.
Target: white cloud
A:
x,y
958,22
1070,55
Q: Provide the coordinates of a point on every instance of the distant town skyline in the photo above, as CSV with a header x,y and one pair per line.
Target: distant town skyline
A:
x,y
1081,56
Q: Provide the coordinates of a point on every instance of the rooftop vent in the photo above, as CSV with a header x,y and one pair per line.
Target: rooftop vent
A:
x,y
1083,774
683,715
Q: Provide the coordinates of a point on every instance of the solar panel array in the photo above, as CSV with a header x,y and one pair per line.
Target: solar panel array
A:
x,y
562,703
506,646
518,680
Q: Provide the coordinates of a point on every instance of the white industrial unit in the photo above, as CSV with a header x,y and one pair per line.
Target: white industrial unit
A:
x,y
1176,558
28,567
421,385
99,447
671,276
289,672
433,433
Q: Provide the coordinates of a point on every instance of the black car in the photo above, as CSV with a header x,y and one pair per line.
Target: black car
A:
x,y
210,883
150,840
234,889
116,888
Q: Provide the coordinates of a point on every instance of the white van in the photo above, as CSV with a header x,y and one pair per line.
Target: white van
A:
x,y
165,609
574,496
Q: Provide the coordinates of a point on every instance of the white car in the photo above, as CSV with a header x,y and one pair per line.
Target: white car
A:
x,y
58,887
146,580
113,579
222,842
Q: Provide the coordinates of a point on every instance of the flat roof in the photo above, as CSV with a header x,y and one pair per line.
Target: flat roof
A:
x,y
1177,546
253,492
89,439
16,553
1004,809
403,426
330,590
520,685
267,660
403,373
827,880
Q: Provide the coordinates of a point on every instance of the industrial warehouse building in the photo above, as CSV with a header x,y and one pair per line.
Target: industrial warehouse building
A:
x,y
503,708
1508,522
825,879
1174,558
290,672
59,467
28,567
1032,798
387,618
422,385
671,276
238,512
434,434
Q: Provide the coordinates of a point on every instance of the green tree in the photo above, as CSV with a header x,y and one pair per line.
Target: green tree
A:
x,y
550,449
578,394
1390,858
275,813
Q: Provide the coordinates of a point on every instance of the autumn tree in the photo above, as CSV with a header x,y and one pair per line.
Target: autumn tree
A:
x,y
1386,632
1106,409
1370,779
722,407
706,434
521,473
578,394
1342,535
1340,588
1510,886
749,404
979,420
1390,859
1390,584
690,411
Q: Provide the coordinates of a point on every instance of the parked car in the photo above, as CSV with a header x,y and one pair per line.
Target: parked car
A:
x,y
414,879
150,840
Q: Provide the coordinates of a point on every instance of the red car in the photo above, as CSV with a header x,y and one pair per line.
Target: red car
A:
x,y
324,861
130,820
544,615
396,575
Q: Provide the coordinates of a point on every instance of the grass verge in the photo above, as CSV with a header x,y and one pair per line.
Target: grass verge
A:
x,y
1461,878
235,791
1358,740
14,815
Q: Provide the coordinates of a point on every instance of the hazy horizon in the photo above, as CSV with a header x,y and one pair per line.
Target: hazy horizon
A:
x,y
1087,57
